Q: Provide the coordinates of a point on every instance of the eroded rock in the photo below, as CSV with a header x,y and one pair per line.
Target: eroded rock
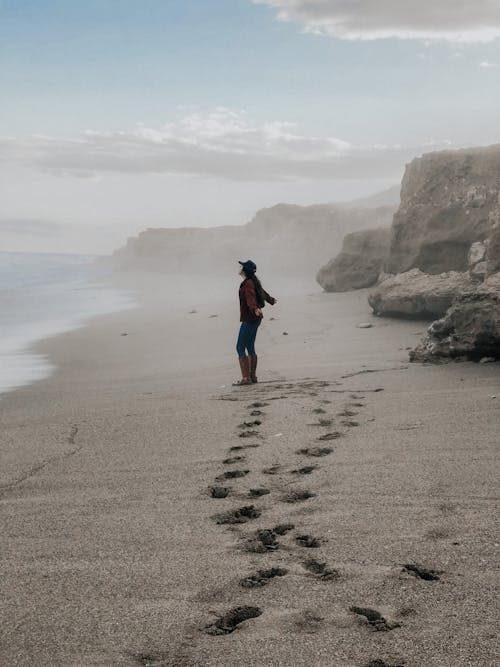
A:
x,y
449,200
470,328
359,262
417,295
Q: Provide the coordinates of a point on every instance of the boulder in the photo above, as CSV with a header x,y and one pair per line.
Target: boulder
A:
x,y
470,328
414,294
449,200
359,262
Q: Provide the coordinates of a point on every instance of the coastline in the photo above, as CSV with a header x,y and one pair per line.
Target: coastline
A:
x,y
108,528
41,303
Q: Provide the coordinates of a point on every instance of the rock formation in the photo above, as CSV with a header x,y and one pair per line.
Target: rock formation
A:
x,y
493,249
414,294
470,328
449,200
359,262
287,239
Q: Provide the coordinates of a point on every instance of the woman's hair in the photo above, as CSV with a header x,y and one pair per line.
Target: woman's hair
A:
x,y
259,290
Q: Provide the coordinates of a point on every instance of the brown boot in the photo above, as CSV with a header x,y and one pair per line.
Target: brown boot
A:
x,y
253,368
245,371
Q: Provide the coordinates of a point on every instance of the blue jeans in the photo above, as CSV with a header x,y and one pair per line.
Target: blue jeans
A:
x,y
246,338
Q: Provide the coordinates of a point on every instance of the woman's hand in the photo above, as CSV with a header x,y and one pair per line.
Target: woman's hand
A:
x,y
258,312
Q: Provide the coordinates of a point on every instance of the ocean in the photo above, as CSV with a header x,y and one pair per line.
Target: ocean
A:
x,y
42,295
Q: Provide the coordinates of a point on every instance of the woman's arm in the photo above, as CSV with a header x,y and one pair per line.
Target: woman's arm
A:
x,y
270,299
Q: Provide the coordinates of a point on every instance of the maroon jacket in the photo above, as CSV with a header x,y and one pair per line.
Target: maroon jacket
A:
x,y
248,301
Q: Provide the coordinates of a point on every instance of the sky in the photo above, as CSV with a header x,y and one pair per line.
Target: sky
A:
x,y
118,115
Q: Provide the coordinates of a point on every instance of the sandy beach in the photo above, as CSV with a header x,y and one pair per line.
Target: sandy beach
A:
x,y
360,518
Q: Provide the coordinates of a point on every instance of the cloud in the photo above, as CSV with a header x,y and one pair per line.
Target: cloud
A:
x,y
487,65
477,21
223,143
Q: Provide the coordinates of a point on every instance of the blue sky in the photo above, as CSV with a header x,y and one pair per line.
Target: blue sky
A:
x,y
113,66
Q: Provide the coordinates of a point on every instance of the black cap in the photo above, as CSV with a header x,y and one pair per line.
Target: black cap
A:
x,y
249,266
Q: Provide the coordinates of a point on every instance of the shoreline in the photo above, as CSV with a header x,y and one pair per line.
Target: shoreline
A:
x,y
111,549
89,296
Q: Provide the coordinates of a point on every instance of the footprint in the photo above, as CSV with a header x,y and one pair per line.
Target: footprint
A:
x,y
306,470
248,434
349,423
315,451
307,621
262,577
355,396
330,436
149,659
258,404
422,572
273,470
438,533
219,491
347,413
298,496
320,570
322,422
231,620
357,405
283,528
233,474
233,459
256,493
256,422
257,413
374,618
319,411
264,540
308,541
240,515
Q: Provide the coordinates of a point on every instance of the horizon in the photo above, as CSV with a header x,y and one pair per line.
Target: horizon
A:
x,y
125,117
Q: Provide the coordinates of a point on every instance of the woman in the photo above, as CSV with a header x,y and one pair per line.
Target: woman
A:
x,y
252,299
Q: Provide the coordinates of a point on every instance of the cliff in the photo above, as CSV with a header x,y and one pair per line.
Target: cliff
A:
x,y
284,238
449,200
358,264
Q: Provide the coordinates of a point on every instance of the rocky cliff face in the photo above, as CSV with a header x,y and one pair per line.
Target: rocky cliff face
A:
x,y
470,328
289,239
449,200
358,264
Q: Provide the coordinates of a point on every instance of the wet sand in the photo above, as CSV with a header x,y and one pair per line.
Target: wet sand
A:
x,y
359,520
